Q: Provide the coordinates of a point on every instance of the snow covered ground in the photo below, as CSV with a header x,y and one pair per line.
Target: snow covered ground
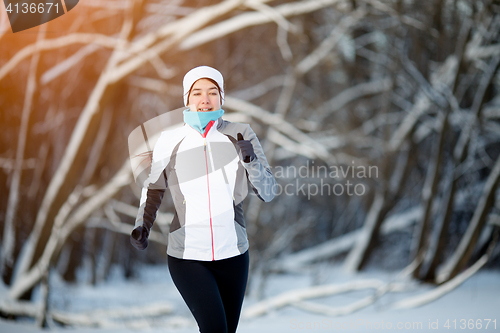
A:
x,y
474,306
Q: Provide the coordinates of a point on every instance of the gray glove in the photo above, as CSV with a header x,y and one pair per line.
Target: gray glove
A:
x,y
246,149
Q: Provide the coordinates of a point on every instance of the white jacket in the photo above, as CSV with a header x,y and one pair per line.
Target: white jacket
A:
x,y
208,182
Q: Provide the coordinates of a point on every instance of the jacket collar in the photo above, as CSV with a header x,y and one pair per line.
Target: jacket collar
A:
x,y
215,124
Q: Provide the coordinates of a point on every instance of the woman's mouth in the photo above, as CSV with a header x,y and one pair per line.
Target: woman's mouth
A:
x,y
204,109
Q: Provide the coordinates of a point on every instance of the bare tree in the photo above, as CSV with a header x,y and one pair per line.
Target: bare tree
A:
x,y
331,85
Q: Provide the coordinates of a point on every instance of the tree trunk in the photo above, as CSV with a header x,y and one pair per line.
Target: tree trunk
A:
x,y
466,246
429,192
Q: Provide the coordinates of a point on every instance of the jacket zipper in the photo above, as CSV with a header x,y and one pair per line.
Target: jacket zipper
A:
x,y
209,203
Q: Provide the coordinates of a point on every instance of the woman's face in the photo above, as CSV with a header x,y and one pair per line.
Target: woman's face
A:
x,y
204,96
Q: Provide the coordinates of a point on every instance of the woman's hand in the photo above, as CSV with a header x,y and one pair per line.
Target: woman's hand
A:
x,y
139,238
246,148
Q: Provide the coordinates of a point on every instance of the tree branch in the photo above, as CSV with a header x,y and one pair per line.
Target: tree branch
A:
x,y
56,43
9,234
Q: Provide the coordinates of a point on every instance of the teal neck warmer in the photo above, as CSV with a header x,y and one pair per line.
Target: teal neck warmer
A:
x,y
200,120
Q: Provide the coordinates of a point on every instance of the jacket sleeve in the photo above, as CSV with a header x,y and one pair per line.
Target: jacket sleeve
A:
x,y
259,173
150,203
152,192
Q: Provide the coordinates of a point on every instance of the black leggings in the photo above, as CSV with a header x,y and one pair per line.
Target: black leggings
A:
x,y
213,290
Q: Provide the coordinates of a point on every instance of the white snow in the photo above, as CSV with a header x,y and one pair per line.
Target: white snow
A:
x,y
472,304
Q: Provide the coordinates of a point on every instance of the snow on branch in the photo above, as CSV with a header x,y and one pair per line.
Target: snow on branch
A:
x,y
353,93
403,18
442,290
28,279
117,317
294,296
20,308
279,124
246,20
56,43
444,75
335,246
330,42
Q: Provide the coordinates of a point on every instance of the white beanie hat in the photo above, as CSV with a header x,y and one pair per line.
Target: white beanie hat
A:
x,y
202,72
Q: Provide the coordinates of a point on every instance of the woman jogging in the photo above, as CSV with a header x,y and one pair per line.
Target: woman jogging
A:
x,y
206,164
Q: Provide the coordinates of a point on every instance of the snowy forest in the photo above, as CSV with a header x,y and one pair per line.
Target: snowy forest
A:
x,y
380,120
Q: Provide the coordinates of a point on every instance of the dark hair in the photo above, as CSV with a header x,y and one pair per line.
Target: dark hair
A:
x,y
209,79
